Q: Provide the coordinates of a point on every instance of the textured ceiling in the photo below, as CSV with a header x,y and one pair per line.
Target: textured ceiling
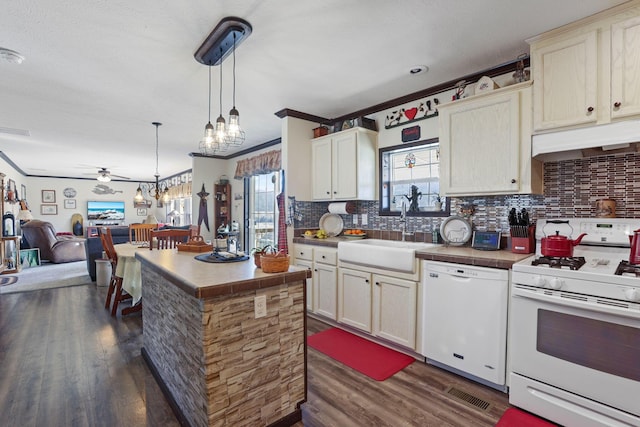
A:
x,y
98,72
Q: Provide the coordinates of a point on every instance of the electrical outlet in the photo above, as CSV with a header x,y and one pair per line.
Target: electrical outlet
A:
x,y
364,219
260,306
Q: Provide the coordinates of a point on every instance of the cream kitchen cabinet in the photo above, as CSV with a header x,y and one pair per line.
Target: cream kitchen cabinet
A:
x,y
344,165
383,306
325,275
303,257
587,72
354,296
485,144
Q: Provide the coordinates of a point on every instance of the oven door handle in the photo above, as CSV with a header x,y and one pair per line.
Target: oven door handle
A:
x,y
583,305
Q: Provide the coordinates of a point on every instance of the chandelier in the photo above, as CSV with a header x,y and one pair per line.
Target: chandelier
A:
x,y
157,191
222,41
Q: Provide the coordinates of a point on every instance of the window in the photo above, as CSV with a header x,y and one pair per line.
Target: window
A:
x,y
263,222
178,211
410,174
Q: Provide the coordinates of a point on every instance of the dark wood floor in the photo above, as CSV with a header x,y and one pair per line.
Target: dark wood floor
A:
x,y
64,361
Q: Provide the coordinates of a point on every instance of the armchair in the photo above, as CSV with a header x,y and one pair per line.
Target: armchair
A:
x,y
56,249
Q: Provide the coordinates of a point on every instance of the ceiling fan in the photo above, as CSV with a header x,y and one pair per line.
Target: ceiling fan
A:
x,y
104,175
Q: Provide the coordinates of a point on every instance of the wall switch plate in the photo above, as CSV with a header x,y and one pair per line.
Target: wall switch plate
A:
x,y
364,219
260,306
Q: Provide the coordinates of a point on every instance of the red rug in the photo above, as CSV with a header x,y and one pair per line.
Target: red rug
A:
x,y
513,417
364,356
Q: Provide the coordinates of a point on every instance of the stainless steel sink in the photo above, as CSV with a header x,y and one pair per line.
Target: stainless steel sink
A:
x,y
382,254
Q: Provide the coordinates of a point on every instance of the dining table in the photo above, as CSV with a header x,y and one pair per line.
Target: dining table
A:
x,y
128,267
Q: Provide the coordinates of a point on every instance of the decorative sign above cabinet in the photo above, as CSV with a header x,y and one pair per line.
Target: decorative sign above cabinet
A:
x,y
403,116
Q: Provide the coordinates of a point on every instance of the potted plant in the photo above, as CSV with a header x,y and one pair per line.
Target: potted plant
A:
x,y
258,252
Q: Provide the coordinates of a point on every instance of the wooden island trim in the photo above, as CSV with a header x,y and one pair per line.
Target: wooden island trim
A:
x,y
216,362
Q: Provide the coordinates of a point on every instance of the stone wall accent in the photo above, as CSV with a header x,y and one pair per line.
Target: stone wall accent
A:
x,y
223,366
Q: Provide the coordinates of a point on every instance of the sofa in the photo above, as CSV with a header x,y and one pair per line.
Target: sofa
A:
x,y
53,248
120,234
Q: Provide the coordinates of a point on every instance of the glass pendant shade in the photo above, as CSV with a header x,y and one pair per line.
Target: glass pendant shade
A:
x,y
221,130
138,197
208,132
104,178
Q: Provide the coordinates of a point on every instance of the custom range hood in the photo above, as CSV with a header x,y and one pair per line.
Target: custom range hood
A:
x,y
587,142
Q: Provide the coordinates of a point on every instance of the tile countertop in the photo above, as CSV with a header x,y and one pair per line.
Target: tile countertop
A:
x,y
503,259
203,280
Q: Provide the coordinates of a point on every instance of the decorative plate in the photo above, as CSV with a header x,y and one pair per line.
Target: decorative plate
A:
x,y
332,224
69,192
455,230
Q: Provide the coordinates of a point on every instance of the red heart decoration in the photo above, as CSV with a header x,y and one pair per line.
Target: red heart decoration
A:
x,y
411,113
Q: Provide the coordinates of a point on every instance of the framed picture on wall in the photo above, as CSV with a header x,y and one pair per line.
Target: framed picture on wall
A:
x,y
48,209
48,196
70,203
142,212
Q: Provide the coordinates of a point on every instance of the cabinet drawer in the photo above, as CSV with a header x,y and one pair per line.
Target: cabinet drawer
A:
x,y
303,252
326,256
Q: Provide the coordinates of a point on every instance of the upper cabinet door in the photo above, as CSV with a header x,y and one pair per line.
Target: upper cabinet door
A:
x,y
480,145
565,75
345,166
321,169
625,68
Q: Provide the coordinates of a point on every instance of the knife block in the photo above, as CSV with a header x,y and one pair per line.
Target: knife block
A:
x,y
524,245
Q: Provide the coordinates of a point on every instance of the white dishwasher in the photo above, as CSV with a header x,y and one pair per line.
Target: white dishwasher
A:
x,y
465,320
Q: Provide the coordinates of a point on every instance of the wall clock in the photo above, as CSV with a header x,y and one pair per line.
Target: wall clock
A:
x,y
69,192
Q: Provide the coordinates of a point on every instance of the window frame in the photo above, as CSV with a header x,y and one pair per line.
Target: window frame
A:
x,y
388,211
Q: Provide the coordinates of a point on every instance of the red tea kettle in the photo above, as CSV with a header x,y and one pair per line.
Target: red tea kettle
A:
x,y
559,245
634,239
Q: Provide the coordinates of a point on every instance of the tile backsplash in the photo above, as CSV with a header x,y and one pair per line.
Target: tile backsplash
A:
x,y
571,190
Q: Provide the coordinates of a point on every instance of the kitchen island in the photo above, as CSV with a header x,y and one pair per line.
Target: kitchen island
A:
x,y
218,360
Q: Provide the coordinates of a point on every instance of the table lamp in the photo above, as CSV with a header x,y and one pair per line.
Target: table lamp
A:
x,y
151,219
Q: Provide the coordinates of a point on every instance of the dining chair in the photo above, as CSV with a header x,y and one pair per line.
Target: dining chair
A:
x,y
139,233
167,239
115,284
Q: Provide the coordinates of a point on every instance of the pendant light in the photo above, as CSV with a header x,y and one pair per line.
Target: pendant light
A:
x,y
235,135
208,145
220,136
158,193
208,129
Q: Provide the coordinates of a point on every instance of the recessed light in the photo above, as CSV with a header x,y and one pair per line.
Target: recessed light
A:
x,y
11,56
418,69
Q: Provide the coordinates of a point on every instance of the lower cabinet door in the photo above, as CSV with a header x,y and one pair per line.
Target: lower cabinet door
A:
x,y
325,290
395,304
354,299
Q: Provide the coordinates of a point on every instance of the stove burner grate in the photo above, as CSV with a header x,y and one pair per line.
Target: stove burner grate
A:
x,y
573,263
626,267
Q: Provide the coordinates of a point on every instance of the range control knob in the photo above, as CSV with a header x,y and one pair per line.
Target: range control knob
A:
x,y
632,294
539,281
555,283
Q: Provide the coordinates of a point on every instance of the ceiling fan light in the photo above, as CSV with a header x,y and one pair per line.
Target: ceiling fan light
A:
x,y
103,177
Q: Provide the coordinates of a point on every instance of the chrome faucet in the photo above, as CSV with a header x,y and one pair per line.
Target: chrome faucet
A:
x,y
403,221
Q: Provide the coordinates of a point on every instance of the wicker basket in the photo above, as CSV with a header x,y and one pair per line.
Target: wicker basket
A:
x,y
274,263
257,254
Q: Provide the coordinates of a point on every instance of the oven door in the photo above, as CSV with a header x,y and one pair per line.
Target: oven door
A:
x,y
583,345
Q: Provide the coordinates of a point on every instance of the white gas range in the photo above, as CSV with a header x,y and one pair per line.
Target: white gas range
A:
x,y
574,338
